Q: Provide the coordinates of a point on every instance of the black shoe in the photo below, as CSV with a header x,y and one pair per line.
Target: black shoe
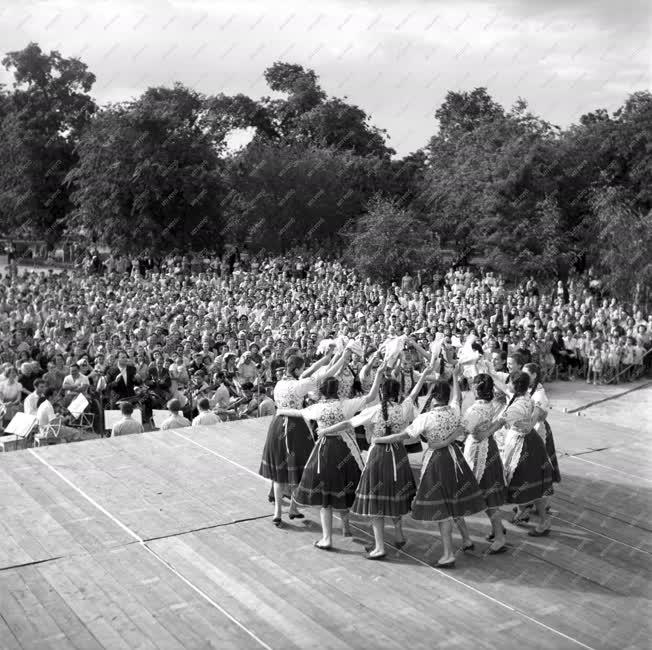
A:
x,y
277,521
490,537
445,565
297,516
470,547
498,551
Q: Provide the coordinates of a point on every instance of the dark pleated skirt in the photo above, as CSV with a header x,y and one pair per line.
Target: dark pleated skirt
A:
x,y
552,453
330,477
413,447
492,482
284,460
533,476
443,493
361,438
378,494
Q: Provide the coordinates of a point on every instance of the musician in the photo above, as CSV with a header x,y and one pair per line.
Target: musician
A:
x,y
125,381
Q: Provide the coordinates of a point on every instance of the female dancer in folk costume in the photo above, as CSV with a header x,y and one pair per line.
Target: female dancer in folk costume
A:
x,y
408,378
541,407
448,490
528,470
482,455
350,386
387,485
333,470
538,395
502,382
289,439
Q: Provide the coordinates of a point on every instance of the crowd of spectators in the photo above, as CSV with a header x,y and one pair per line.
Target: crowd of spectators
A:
x,y
212,333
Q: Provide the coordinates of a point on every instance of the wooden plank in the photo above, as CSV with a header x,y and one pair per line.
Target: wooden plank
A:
x,y
9,640
257,571
571,611
42,517
156,489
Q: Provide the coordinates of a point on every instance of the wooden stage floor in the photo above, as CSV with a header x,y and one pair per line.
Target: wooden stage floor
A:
x,y
165,540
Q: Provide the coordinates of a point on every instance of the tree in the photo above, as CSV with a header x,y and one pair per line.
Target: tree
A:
x,y
334,123
390,240
463,112
43,116
149,175
623,244
285,194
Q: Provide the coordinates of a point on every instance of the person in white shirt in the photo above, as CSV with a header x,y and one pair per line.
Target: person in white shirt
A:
x,y
206,416
74,383
127,424
46,415
175,420
31,401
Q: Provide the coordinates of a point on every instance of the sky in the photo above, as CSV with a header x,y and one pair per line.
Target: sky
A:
x,y
396,59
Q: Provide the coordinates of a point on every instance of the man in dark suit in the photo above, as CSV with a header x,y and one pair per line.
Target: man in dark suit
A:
x,y
124,383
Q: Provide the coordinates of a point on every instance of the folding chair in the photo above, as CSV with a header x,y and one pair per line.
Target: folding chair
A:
x,y
48,435
86,424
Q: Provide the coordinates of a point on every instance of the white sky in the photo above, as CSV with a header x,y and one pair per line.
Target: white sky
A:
x,y
395,59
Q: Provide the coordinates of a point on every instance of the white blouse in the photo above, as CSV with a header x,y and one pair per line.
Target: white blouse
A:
x,y
398,417
436,425
289,393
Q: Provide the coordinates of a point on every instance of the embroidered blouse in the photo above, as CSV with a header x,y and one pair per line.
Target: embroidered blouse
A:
x,y
289,393
436,425
398,417
518,415
478,417
332,412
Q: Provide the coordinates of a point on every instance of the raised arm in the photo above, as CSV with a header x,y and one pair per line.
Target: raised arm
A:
x,y
366,369
318,364
456,395
373,393
337,366
422,380
420,351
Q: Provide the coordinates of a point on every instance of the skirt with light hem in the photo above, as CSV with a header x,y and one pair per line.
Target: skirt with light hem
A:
x,y
330,477
532,478
552,453
448,487
492,482
387,486
287,449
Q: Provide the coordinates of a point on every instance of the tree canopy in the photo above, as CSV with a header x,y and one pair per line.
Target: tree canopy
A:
x,y
157,173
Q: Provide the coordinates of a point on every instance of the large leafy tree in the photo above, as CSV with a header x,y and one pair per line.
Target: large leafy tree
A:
x,y
490,186
390,240
284,194
42,118
623,236
149,174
